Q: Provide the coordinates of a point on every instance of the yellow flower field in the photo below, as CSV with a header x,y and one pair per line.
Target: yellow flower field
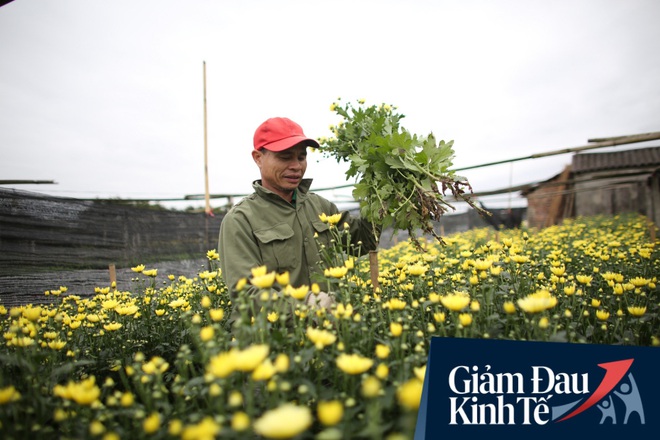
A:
x,y
180,361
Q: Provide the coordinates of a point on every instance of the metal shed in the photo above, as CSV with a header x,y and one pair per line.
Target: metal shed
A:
x,y
599,183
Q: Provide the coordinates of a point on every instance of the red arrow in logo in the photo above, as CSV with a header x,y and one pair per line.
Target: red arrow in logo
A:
x,y
614,372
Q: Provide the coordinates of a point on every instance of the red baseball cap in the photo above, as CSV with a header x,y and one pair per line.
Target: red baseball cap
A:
x,y
277,134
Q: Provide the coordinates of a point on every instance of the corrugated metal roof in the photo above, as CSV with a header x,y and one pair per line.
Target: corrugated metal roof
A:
x,y
636,158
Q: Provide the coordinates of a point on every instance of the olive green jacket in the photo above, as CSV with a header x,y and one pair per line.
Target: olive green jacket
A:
x,y
264,229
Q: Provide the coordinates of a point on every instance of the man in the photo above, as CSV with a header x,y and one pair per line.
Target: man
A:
x,y
278,225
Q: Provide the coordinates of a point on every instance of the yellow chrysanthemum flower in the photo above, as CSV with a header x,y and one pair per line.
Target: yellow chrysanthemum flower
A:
x,y
206,333
93,318
127,310
395,304
264,371
371,387
520,259
240,421
221,365
283,279
417,270
282,363
249,358
382,371
32,313
320,338
110,304
396,329
235,399
353,363
465,319
56,344
240,285
639,281
8,395
330,412
558,271
298,293
259,271
175,427
207,428
97,428
382,351
637,311
216,314
409,394
334,218
127,399
602,315
151,424
179,303
584,279
286,421
264,281
150,273
439,317
537,302
112,326
456,301
481,264
343,311
84,392
335,272
420,372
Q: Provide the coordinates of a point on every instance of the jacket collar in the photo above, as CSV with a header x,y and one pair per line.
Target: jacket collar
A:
x,y
302,191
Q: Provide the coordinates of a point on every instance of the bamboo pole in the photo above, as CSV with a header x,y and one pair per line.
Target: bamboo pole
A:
x,y
207,208
597,143
26,182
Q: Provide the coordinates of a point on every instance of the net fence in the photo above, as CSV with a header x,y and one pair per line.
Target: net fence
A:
x,y
42,232
46,242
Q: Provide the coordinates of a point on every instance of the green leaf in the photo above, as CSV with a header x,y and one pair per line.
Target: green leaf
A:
x,y
392,166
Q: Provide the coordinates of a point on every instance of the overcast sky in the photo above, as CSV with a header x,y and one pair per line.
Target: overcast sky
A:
x,y
106,97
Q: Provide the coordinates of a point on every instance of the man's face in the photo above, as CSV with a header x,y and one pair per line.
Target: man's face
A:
x,y
282,171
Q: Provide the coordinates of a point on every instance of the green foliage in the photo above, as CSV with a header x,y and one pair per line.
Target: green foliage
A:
x,y
402,179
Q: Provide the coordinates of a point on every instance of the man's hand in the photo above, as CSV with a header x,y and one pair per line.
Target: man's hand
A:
x,y
320,299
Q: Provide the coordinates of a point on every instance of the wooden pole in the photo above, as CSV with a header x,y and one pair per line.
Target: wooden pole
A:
x,y
113,276
554,213
651,226
207,208
373,269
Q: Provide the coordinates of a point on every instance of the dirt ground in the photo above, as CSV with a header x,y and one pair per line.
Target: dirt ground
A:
x,y
29,289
